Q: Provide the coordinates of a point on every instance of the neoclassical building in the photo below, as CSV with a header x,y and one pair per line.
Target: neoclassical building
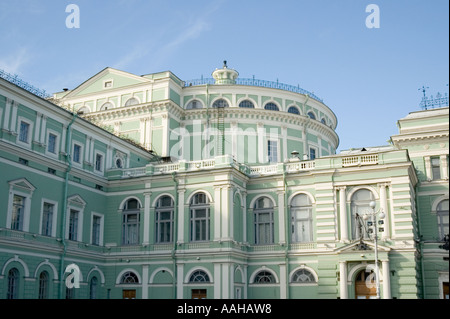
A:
x,y
153,187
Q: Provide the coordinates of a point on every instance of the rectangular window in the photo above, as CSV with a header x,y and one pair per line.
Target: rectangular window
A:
x,y
47,219
130,229
436,168
96,225
76,153
199,224
164,222
312,153
272,151
73,224
24,132
18,211
99,162
264,228
51,147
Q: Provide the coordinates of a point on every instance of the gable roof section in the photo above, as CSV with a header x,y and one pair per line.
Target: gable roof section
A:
x,y
96,83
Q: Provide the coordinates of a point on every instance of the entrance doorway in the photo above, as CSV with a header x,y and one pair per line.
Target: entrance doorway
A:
x,y
445,290
129,294
363,290
198,293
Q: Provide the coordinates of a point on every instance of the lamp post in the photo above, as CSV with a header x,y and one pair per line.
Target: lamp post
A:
x,y
373,214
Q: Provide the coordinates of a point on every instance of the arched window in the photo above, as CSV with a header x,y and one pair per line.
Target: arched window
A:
x,y
129,277
271,107
303,276
199,276
301,217
131,101
323,121
264,277
247,104
130,222
311,115
293,110
194,104
199,210
442,215
43,285
106,106
220,103
83,110
263,214
13,284
359,206
93,288
164,219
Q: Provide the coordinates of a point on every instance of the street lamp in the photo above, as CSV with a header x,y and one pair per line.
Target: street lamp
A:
x,y
373,217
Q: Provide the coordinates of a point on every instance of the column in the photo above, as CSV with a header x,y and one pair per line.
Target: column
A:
x,y
148,133
281,218
260,132
62,142
217,280
144,281
384,208
343,279
146,221
142,128
386,279
284,138
444,166
165,135
283,277
217,212
226,281
305,142
234,129
43,129
180,276
343,220
13,123
6,115
244,216
181,215
227,212
37,126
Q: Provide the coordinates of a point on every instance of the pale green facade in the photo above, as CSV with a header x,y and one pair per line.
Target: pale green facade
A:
x,y
233,227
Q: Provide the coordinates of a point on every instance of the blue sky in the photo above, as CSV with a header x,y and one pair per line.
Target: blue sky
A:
x,y
368,77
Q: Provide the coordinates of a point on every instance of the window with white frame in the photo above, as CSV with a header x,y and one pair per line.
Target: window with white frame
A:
x,y
301,218
48,217
199,217
24,131
99,162
52,143
312,153
77,153
264,277
44,280
13,284
74,218
436,167
130,222
443,219
18,212
303,276
164,219
263,217
272,151
97,229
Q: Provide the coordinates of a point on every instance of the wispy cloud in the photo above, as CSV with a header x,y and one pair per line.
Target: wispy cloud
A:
x,y
13,63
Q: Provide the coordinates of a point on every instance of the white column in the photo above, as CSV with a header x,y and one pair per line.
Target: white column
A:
x,y
142,131
145,282
234,151
217,281
227,212
62,142
148,133
281,218
13,123
217,212
146,221
37,126
428,168
386,279
165,135
384,208
283,277
244,217
180,276
343,280
226,281
6,122
43,129
260,132
181,215
444,166
284,139
343,220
